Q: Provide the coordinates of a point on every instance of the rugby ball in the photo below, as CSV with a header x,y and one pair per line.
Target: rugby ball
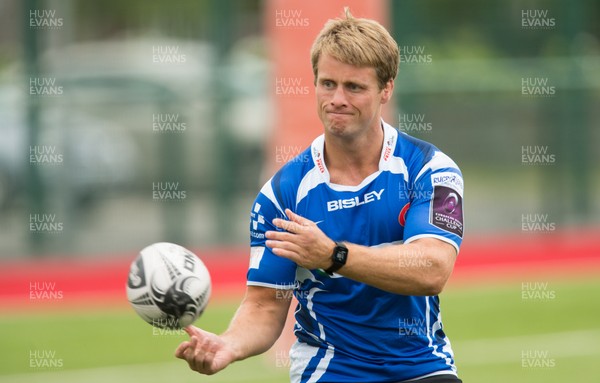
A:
x,y
168,285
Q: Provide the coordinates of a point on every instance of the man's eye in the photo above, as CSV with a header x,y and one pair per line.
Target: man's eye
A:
x,y
328,84
354,87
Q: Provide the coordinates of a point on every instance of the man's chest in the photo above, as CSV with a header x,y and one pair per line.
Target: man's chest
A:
x,y
367,216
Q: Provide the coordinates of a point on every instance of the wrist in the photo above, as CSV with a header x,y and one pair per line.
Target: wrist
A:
x,y
230,342
338,257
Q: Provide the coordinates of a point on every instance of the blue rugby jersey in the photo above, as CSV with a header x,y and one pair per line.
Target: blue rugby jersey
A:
x,y
348,331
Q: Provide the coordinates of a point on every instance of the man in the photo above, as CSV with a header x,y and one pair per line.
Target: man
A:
x,y
364,227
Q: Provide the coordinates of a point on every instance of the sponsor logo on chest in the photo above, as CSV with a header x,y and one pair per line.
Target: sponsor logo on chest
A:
x,y
349,203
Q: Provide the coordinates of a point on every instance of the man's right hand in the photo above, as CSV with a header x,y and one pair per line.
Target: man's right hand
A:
x,y
255,327
205,352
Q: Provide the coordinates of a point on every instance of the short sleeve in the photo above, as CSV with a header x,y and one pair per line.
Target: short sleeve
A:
x,y
436,208
267,269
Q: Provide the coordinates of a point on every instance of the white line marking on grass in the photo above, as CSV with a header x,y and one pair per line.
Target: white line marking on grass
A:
x,y
472,352
161,372
510,349
133,372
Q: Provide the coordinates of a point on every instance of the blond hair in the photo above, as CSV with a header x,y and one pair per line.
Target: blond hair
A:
x,y
359,42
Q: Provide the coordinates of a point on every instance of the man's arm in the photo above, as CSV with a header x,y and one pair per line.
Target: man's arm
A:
x,y
421,267
254,328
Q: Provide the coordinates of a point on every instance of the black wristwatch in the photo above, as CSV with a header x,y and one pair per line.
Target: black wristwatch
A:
x,y
339,257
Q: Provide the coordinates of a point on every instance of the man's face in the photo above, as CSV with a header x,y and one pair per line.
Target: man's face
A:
x,y
348,97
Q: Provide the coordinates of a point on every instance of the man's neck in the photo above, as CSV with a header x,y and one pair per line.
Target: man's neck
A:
x,y
350,161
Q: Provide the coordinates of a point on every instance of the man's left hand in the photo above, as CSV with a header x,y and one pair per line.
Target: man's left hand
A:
x,y
301,241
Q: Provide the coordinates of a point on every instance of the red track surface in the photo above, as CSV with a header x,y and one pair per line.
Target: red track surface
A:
x,y
101,282
572,254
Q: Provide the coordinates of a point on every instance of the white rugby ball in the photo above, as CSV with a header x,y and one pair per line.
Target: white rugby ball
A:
x,y
168,285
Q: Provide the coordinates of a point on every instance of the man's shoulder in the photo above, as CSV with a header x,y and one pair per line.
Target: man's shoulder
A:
x,y
409,147
420,154
284,184
295,169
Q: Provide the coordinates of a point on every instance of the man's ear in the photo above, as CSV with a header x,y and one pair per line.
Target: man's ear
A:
x,y
387,91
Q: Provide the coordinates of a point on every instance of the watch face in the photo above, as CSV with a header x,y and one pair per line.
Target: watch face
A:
x,y
340,254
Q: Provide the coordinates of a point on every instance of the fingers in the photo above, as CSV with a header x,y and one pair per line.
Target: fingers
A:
x,y
181,349
296,218
285,249
294,223
281,240
201,350
300,220
291,255
188,349
194,355
301,241
279,236
288,226
203,358
179,352
291,226
192,330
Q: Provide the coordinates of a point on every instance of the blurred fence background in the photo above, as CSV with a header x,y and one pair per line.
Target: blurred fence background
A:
x,y
124,123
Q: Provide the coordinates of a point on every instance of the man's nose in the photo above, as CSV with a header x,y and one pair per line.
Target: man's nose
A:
x,y
339,97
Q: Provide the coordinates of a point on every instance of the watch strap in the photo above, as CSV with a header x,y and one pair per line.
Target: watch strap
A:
x,y
339,257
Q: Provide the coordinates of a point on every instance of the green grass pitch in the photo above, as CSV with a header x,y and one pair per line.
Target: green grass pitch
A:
x,y
499,333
